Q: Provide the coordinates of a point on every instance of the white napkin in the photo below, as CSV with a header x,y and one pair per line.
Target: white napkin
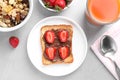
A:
x,y
114,32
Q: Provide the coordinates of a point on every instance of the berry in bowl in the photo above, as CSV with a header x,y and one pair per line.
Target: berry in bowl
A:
x,y
55,5
14,14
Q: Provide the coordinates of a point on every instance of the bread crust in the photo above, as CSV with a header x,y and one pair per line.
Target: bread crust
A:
x,y
69,59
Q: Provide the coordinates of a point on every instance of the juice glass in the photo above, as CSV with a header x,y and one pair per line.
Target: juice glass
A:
x,y
101,12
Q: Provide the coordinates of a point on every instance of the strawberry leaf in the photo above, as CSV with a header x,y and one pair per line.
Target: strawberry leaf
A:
x,y
68,0
57,8
47,4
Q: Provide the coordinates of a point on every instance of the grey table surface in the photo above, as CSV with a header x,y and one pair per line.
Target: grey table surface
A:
x,y
15,64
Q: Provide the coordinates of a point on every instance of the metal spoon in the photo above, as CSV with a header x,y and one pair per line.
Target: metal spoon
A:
x,y
109,48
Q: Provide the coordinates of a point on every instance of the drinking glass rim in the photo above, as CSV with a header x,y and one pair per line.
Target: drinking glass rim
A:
x,y
98,21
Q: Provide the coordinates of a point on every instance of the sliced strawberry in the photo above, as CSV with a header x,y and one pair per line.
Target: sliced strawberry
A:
x,y
50,52
50,36
49,3
64,52
63,35
60,4
14,41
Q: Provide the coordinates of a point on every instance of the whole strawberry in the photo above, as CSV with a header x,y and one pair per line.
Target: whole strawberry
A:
x,y
60,4
49,3
14,41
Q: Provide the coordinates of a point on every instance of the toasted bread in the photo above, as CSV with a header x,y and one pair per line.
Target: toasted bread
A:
x,y
45,28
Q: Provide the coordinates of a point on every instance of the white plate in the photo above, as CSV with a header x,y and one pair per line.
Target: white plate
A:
x,y
79,47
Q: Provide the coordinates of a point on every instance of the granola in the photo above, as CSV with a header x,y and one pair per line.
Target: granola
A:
x,y
13,12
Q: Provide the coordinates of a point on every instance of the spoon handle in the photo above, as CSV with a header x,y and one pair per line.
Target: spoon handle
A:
x,y
117,67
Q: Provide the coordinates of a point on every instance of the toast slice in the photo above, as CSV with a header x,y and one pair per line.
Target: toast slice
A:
x,y
45,28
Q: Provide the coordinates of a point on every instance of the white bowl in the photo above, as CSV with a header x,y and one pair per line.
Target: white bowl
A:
x,y
23,22
53,10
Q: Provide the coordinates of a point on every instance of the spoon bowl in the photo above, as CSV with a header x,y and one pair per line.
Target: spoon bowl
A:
x,y
108,46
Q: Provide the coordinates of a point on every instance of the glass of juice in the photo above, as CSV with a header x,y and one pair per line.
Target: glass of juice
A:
x,y
102,12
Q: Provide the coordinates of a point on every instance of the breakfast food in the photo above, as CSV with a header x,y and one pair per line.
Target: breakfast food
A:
x,y
14,41
56,42
13,12
56,4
